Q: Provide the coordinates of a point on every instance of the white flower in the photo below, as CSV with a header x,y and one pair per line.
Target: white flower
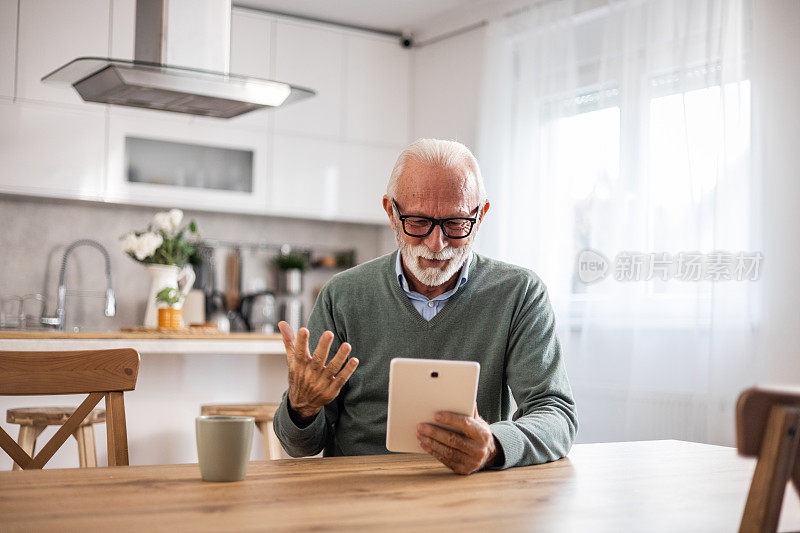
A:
x,y
130,242
147,245
175,215
163,222
142,246
168,221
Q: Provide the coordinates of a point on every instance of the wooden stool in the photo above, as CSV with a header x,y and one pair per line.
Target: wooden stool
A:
x,y
263,414
33,420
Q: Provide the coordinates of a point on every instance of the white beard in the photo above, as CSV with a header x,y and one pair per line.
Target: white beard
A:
x,y
432,276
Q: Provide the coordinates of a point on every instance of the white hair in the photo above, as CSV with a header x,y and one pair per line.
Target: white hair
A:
x,y
436,152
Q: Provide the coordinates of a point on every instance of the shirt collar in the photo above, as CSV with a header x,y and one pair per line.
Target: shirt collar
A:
x,y
404,283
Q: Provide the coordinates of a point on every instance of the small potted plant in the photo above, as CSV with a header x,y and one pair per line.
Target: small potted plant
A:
x,y
169,317
166,249
290,267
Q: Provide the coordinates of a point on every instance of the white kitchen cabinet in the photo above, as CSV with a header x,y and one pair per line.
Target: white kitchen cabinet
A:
x,y
251,55
250,44
365,170
8,47
212,146
52,33
310,56
305,177
51,151
329,180
376,90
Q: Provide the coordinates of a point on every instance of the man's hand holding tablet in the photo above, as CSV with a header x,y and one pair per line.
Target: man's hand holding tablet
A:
x,y
474,449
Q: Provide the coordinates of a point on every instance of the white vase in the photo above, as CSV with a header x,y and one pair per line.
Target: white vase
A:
x,y
166,276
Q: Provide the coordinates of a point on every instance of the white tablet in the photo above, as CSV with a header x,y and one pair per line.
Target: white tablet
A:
x,y
418,388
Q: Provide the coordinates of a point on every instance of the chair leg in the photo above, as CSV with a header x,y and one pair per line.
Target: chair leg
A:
x,y
272,446
91,453
116,431
776,464
87,457
262,428
27,440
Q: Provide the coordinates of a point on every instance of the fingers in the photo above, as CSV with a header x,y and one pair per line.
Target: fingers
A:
x,y
288,336
449,438
459,421
456,460
301,345
338,360
323,347
342,377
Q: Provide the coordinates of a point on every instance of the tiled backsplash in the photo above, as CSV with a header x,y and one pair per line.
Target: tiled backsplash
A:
x,y
34,234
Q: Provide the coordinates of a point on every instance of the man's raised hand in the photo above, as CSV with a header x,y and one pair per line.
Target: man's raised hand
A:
x,y
312,383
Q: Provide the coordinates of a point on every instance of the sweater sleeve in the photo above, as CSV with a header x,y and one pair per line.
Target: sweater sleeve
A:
x,y
317,435
544,425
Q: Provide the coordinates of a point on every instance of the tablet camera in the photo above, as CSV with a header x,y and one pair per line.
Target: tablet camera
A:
x,y
434,374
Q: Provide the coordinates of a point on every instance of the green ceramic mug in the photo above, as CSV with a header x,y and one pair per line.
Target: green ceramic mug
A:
x,y
223,446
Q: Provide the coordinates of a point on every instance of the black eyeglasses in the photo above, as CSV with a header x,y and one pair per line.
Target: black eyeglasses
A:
x,y
453,228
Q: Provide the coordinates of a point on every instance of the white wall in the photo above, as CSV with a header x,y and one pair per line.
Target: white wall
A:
x,y
776,60
446,88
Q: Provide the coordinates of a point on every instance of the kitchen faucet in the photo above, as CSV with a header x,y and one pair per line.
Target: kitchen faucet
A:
x,y
59,321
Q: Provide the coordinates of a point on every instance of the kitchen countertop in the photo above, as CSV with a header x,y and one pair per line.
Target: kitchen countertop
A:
x,y
43,334
145,343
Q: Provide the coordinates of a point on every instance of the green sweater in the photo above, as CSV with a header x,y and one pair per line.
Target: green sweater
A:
x,y
500,318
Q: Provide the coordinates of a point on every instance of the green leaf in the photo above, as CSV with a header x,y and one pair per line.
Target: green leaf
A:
x,y
168,295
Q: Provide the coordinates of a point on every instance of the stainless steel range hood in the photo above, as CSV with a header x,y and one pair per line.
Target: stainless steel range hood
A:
x,y
149,83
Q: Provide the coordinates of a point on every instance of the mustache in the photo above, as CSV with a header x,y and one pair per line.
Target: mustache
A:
x,y
423,251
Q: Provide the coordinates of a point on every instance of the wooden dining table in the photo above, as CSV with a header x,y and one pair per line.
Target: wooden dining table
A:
x,y
622,486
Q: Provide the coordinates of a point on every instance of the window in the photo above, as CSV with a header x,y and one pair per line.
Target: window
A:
x,y
642,175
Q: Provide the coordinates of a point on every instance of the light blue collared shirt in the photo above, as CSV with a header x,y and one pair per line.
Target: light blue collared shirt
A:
x,y
428,308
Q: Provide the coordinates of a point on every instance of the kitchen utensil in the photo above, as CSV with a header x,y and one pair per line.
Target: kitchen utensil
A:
x,y
291,281
233,265
11,313
226,319
216,312
205,270
258,311
291,310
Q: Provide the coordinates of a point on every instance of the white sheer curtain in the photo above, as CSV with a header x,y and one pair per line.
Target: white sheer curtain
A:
x,y
624,127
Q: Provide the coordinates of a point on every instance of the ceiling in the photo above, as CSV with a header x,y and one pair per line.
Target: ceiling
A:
x,y
388,15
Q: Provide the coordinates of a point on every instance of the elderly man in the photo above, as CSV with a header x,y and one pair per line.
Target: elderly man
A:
x,y
433,298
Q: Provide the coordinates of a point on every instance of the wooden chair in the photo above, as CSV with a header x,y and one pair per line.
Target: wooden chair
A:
x,y
98,373
263,414
768,427
33,420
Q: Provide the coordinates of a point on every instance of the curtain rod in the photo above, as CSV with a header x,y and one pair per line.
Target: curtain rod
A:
x,y
481,23
405,40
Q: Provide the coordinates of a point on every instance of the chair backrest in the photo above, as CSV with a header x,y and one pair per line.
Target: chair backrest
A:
x,y
768,427
98,373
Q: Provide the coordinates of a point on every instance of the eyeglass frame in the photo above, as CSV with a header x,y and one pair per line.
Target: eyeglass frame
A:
x,y
437,222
